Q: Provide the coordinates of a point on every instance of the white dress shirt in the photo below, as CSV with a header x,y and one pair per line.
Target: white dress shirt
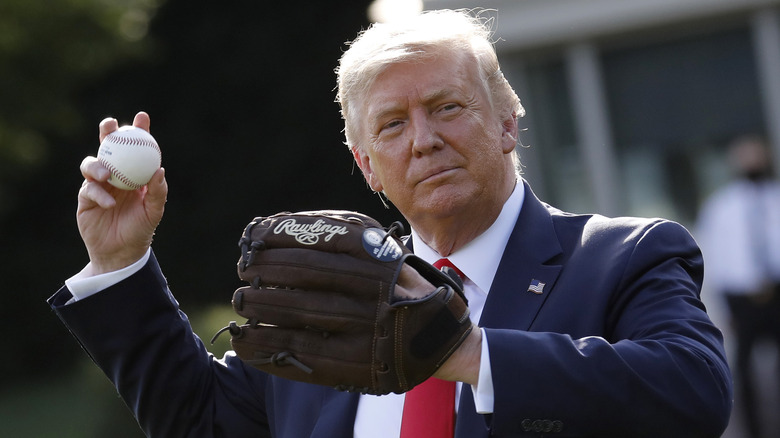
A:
x,y
84,284
380,416
731,225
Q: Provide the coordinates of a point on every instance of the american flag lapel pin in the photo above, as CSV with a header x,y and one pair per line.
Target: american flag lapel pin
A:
x,y
536,287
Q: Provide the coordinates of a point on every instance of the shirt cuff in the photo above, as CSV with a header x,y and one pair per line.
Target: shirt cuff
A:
x,y
83,284
483,392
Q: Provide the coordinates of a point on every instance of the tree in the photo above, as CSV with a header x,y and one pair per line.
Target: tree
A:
x,y
50,51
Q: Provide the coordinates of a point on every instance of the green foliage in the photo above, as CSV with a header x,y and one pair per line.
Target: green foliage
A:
x,y
49,51
80,404
207,322
241,99
83,403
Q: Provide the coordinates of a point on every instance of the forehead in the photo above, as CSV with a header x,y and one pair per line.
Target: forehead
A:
x,y
425,77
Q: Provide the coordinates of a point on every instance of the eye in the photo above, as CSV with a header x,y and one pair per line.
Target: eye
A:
x,y
391,125
449,108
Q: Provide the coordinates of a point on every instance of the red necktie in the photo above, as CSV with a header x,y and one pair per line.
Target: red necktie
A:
x,y
429,408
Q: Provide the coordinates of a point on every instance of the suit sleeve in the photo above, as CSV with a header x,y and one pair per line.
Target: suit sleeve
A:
x,y
136,333
646,362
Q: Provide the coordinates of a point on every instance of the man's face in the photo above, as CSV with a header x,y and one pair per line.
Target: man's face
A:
x,y
431,141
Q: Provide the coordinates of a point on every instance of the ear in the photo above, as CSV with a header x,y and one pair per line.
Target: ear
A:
x,y
364,163
509,133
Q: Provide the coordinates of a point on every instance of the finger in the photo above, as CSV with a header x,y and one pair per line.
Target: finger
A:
x,y
142,120
92,170
157,191
107,126
93,193
412,285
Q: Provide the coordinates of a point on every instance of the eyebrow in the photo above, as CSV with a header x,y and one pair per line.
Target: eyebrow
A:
x,y
438,95
433,96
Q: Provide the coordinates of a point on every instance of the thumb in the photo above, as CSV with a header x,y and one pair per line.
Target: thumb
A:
x,y
156,194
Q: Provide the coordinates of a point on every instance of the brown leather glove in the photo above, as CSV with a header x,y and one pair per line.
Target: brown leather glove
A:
x,y
321,306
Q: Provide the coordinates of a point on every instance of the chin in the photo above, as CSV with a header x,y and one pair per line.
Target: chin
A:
x,y
444,206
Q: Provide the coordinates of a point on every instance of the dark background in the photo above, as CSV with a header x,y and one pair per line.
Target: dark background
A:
x,y
241,96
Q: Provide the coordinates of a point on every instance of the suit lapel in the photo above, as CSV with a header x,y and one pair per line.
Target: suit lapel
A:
x,y
531,246
527,257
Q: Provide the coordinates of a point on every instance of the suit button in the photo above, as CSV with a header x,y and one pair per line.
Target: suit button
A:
x,y
529,425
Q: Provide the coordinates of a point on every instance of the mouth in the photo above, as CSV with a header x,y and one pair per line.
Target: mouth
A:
x,y
437,173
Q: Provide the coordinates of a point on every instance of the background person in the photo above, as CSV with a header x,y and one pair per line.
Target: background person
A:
x,y
739,232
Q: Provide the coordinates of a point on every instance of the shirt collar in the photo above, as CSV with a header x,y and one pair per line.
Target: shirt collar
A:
x,y
479,258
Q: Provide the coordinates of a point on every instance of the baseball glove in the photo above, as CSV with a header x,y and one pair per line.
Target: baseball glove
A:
x,y
322,305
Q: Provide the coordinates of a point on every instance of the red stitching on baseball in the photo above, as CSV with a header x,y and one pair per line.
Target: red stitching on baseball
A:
x,y
119,139
119,175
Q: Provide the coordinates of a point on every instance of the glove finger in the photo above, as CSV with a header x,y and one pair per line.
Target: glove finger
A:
x,y
307,269
295,308
304,342
308,356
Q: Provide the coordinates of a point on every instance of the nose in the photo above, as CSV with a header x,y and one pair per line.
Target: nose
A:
x,y
424,136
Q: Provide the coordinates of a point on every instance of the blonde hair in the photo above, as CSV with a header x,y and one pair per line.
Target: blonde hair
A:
x,y
418,38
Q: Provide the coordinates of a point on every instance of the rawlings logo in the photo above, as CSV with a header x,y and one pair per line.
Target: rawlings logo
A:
x,y
309,234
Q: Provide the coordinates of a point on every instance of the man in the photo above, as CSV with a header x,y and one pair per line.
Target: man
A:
x,y
589,326
738,231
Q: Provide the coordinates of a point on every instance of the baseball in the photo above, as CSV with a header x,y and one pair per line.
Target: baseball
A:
x,y
131,155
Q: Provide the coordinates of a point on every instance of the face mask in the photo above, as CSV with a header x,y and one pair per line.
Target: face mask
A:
x,y
757,175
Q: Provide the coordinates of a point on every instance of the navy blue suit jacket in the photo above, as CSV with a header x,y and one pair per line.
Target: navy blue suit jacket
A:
x,y
618,344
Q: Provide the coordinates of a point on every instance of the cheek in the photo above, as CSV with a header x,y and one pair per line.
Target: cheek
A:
x,y
381,171
390,160
486,154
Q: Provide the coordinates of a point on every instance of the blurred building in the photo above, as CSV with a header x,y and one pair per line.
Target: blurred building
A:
x,y
631,102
